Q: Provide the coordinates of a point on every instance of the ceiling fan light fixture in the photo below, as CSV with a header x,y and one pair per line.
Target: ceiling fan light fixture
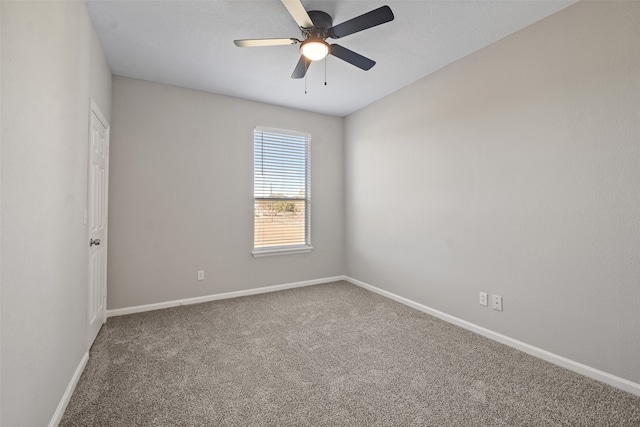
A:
x,y
314,49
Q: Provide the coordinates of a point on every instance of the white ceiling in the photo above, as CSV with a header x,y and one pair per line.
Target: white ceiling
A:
x,y
190,44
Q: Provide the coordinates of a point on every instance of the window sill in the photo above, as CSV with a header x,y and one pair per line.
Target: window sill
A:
x,y
281,251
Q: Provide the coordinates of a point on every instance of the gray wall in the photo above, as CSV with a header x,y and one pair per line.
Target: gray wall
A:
x,y
514,171
181,195
52,63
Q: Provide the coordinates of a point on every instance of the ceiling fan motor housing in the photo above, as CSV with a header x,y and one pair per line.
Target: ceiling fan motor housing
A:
x,y
322,21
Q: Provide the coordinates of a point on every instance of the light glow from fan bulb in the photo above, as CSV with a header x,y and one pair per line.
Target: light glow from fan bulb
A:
x,y
314,50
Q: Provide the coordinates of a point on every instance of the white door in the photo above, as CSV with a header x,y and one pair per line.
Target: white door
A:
x,y
97,219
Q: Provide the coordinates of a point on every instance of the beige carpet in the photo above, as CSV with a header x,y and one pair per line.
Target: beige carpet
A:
x,y
325,355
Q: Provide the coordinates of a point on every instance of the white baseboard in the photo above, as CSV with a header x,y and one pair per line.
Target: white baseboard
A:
x,y
572,365
62,406
214,297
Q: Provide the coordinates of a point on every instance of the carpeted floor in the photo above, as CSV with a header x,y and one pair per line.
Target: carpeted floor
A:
x,y
325,355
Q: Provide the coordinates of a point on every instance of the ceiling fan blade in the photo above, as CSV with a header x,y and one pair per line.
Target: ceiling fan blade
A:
x,y
351,57
301,68
265,42
298,12
370,19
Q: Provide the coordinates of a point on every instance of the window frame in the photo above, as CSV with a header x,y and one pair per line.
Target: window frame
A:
x,y
286,248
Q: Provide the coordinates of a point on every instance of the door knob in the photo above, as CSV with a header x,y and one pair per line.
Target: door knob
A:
x,y
94,242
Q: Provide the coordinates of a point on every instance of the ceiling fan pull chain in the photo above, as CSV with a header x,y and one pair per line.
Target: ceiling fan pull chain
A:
x,y
305,84
325,70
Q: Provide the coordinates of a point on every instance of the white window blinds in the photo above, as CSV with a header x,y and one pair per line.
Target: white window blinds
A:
x,y
281,190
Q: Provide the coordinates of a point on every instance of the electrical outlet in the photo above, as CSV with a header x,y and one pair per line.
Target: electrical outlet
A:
x,y
483,299
496,302
200,274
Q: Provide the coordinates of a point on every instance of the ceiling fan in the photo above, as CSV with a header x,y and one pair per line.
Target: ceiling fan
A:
x,y
316,27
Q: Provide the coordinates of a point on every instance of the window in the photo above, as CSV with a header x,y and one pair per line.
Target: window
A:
x,y
282,203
